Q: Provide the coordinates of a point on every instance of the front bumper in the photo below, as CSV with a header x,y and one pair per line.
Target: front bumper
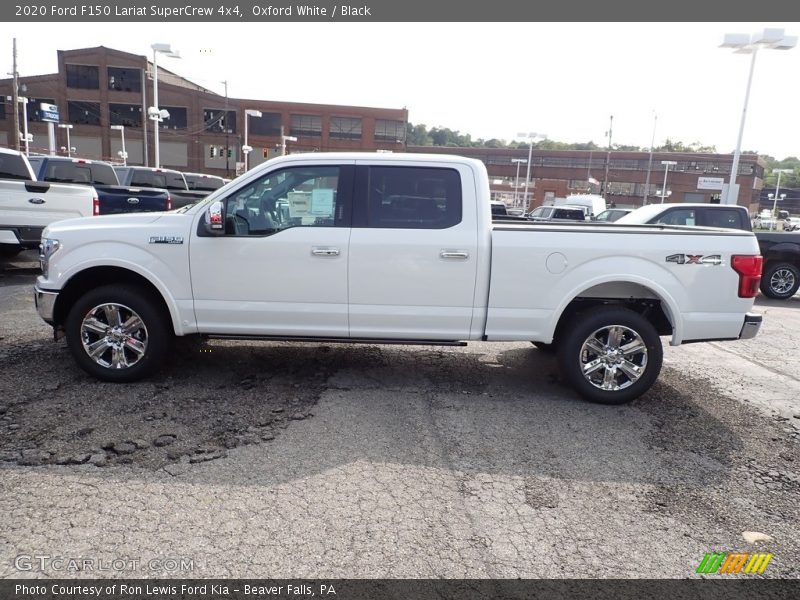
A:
x,y
752,323
45,303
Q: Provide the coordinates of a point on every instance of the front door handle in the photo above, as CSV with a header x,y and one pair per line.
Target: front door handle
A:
x,y
456,254
319,251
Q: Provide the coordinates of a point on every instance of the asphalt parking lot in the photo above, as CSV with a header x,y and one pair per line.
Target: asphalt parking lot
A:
x,y
319,460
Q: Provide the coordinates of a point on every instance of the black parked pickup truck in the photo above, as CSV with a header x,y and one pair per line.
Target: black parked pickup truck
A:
x,y
113,197
780,277
162,178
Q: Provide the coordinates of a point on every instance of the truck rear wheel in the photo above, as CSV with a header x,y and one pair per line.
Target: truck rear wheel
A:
x,y
117,333
611,355
780,281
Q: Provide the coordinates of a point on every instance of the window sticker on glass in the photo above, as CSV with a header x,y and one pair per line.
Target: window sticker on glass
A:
x,y
299,204
322,203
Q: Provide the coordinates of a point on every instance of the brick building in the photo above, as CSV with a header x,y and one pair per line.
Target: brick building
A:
x,y
559,173
99,87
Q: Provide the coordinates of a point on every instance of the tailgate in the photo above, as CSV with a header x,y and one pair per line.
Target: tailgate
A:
x,y
122,199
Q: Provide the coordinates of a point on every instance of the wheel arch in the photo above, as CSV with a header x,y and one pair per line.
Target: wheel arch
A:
x,y
94,277
652,303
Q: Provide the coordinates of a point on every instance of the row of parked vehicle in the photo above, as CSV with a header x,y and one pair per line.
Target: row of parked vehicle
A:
x,y
37,190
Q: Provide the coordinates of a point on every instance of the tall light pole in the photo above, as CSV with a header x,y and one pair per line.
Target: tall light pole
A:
x,y
773,39
650,161
24,101
773,224
284,139
530,137
123,155
248,112
154,112
778,191
516,181
608,156
666,164
67,126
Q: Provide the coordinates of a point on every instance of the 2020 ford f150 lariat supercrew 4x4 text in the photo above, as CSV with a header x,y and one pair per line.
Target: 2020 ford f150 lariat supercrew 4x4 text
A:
x,y
388,248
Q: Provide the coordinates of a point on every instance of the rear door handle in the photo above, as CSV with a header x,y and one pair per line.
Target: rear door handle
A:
x,y
319,251
456,254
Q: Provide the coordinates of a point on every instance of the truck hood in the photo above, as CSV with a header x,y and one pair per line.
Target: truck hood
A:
x,y
118,225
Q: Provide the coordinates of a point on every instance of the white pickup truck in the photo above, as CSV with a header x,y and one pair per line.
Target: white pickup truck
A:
x,y
391,248
27,205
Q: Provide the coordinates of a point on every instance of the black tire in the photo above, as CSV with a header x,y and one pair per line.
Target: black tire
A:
x,y
611,382
546,348
780,280
138,350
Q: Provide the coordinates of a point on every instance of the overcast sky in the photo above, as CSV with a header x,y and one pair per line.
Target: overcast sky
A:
x,y
485,79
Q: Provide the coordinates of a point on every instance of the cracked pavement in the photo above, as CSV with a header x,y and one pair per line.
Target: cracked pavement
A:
x,y
317,460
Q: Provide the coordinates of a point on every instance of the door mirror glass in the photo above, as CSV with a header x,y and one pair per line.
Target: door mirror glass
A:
x,y
215,218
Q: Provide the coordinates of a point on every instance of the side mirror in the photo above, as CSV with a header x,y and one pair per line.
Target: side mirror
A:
x,y
215,219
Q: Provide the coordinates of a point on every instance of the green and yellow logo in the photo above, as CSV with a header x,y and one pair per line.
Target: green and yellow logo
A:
x,y
735,562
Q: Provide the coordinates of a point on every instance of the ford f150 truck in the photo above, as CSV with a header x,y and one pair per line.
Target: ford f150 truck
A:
x,y
388,248
781,251
172,181
27,205
113,198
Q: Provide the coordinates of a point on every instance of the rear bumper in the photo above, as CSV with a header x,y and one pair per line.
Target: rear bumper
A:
x,y
751,326
45,303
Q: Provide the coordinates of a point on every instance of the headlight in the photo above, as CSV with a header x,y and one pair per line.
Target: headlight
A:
x,y
47,248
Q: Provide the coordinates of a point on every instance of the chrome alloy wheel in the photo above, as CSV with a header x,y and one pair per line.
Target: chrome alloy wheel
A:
x,y
782,281
613,357
114,336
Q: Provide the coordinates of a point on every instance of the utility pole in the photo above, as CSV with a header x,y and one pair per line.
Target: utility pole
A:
x,y
225,123
608,158
15,97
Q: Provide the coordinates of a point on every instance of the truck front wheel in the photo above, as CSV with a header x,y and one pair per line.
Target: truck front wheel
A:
x,y
611,355
780,281
117,333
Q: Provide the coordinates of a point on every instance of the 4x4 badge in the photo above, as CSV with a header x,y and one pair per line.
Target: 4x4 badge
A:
x,y
695,259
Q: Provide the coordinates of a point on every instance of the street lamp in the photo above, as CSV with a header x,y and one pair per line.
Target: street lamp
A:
x,y
122,154
778,189
516,182
154,113
774,197
530,137
666,164
284,139
744,43
25,133
650,161
246,150
67,126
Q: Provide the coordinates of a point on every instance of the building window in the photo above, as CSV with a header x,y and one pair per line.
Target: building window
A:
x,y
306,125
346,128
83,77
35,107
390,131
124,80
178,118
129,115
83,113
266,124
2,109
214,120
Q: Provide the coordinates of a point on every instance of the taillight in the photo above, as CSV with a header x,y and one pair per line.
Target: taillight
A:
x,y
169,202
95,207
749,269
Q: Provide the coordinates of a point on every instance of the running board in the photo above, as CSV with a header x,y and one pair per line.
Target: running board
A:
x,y
333,340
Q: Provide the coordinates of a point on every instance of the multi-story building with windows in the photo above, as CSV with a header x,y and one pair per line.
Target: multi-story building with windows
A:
x,y
96,88
559,173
